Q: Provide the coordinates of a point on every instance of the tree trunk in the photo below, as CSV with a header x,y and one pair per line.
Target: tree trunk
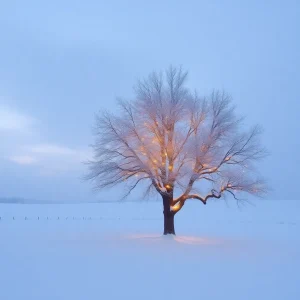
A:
x,y
169,223
168,216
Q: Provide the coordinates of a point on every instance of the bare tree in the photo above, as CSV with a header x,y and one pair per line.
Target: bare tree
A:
x,y
183,146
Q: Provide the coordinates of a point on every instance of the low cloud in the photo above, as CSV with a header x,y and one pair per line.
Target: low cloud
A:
x,y
14,121
51,149
51,158
23,159
20,145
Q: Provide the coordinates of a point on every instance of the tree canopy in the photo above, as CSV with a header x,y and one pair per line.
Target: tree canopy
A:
x,y
182,145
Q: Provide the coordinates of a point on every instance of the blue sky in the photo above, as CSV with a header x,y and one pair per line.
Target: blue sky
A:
x,y
62,61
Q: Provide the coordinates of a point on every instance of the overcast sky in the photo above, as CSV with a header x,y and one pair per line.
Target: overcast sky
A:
x,y
61,61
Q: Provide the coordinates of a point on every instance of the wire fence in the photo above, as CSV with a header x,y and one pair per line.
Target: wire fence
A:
x,y
73,218
119,218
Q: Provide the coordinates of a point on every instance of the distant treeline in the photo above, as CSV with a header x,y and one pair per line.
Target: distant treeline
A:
x,y
17,200
22,201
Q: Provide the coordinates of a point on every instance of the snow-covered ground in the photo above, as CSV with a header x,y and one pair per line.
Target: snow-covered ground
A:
x,y
116,251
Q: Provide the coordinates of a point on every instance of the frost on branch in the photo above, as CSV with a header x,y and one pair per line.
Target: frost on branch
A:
x,y
177,142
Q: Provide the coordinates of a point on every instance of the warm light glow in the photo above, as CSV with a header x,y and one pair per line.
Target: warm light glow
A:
x,y
175,207
188,240
170,168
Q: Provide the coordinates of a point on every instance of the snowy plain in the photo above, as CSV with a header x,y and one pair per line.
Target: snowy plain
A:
x,y
116,251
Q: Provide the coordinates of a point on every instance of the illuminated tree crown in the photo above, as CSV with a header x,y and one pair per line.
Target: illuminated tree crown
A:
x,y
181,144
